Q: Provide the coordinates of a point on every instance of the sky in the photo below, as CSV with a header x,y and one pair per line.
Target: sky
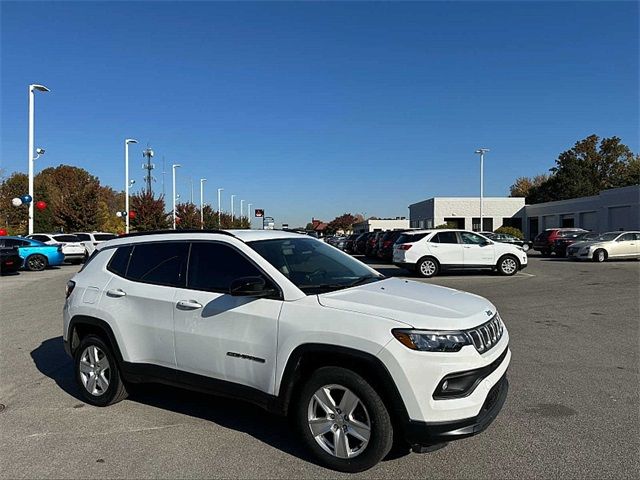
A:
x,y
314,109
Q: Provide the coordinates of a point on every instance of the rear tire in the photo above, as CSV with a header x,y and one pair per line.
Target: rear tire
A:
x,y
97,373
600,255
427,267
36,262
368,419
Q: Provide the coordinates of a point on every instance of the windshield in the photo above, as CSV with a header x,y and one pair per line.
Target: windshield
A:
x,y
313,266
607,237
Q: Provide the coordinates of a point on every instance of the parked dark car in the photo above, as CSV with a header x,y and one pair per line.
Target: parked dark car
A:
x,y
569,238
545,241
350,243
506,238
385,244
361,243
372,244
10,260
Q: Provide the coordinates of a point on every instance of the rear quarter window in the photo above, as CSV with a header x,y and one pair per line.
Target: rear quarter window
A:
x,y
119,261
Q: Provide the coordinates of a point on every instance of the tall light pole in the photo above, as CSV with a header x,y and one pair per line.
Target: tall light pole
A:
x,y
249,213
232,197
173,196
481,152
202,180
219,208
127,183
32,89
241,209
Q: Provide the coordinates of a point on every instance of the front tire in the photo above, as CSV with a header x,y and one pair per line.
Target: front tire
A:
x,y
508,265
427,267
36,262
343,421
97,373
600,255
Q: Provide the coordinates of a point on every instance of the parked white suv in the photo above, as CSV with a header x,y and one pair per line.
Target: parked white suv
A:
x,y
91,240
72,248
296,326
427,252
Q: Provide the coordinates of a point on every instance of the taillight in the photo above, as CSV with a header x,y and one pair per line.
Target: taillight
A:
x,y
406,246
69,288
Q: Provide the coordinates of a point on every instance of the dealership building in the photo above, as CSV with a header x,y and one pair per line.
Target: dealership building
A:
x,y
381,225
615,209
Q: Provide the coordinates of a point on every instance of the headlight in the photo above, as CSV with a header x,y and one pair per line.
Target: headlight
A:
x,y
425,341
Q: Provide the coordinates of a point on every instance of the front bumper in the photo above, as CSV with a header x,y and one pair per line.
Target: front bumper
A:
x,y
430,433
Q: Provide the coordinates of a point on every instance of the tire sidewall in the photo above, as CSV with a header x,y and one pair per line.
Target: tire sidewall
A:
x,y
114,381
428,259
381,439
596,256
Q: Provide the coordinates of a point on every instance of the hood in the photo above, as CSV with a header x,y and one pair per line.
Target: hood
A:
x,y
586,243
412,303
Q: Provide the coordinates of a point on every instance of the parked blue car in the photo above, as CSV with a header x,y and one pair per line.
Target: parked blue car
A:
x,y
36,255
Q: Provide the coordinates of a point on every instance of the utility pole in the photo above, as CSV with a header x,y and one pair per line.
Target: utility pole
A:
x,y
481,152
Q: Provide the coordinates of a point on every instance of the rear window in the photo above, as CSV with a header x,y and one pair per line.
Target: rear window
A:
x,y
104,236
119,261
83,237
410,237
66,238
445,237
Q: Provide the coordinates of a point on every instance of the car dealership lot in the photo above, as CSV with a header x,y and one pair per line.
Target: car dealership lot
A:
x,y
572,408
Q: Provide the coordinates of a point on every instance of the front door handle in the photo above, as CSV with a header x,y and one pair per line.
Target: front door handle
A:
x,y
188,305
117,293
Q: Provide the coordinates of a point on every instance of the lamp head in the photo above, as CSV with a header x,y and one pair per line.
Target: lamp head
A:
x,y
130,140
40,88
40,151
176,165
480,151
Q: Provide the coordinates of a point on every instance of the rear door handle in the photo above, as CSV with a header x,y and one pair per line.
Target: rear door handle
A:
x,y
188,305
117,293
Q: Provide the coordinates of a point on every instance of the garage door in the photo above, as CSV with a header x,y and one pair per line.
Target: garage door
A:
x,y
589,221
550,221
620,218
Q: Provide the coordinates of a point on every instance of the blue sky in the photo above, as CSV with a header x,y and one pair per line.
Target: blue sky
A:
x,y
316,109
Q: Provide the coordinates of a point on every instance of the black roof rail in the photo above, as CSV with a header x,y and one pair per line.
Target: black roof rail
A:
x,y
160,232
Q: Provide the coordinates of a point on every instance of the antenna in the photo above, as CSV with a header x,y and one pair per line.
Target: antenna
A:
x,y
148,154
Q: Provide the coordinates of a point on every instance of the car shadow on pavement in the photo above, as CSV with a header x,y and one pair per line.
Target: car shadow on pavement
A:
x,y
51,360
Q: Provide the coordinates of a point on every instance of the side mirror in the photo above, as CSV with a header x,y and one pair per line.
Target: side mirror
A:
x,y
250,287
484,244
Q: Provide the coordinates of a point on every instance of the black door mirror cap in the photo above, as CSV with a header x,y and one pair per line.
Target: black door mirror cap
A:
x,y
250,287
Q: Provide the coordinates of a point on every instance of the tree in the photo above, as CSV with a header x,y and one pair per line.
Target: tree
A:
x,y
150,213
592,165
109,203
523,185
14,219
189,216
344,222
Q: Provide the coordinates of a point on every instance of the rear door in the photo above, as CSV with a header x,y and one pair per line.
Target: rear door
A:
x,y
140,295
219,335
447,249
476,250
624,246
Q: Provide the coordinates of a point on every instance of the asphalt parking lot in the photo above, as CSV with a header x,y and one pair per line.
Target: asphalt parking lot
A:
x,y
572,410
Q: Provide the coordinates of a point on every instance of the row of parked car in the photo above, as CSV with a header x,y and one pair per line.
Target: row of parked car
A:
x,y
576,243
39,251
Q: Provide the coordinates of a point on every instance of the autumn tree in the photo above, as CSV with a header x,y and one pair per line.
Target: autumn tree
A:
x,y
189,216
344,222
523,186
14,219
150,212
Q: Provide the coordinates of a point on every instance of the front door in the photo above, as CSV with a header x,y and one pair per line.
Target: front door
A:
x,y
476,251
219,335
625,246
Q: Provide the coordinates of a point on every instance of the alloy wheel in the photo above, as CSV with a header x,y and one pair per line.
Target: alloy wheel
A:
x,y
509,266
428,268
339,421
95,370
37,263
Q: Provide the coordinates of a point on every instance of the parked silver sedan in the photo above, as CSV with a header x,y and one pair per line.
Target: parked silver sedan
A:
x,y
608,245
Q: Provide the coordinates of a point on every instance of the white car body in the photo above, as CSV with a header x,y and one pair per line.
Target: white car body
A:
x,y
90,240
458,255
73,251
253,342
614,245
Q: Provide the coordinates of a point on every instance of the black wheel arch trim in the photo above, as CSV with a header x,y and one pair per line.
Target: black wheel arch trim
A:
x,y
73,340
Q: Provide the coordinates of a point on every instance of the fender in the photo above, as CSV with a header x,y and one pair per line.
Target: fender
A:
x,y
78,320
307,357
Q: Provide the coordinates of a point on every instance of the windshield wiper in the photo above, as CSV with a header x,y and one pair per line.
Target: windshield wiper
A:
x,y
364,279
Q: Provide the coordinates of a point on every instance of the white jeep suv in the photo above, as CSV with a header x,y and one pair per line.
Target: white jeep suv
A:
x,y
427,252
296,326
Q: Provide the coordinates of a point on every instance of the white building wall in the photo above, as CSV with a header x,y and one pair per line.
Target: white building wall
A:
x,y
381,225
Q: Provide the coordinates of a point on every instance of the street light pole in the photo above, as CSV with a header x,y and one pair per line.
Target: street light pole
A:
x,y
232,213
126,180
32,88
219,209
202,180
241,209
249,213
481,152
173,196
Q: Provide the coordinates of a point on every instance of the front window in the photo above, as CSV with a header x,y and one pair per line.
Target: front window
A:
x,y
607,237
313,266
471,238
